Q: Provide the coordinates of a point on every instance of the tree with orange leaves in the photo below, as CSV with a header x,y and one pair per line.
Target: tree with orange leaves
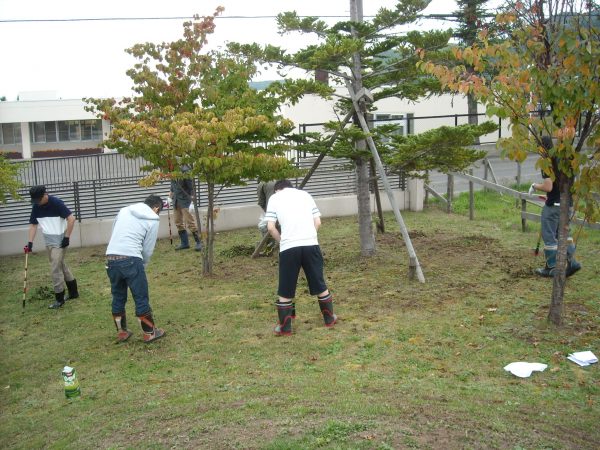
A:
x,y
546,82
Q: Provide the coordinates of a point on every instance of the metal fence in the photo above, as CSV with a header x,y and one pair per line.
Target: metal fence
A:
x,y
96,186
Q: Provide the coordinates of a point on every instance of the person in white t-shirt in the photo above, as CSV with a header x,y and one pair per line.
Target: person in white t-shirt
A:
x,y
299,218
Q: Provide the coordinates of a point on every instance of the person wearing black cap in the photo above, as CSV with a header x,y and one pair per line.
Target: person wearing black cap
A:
x,y
57,222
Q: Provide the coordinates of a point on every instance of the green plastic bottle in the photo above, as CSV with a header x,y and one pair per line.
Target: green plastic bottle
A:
x,y
72,388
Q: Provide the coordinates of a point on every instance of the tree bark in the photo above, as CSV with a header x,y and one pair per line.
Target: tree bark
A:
x,y
207,255
365,224
555,314
472,111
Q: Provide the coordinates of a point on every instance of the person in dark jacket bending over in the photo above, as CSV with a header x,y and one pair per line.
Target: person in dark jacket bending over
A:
x,y
299,218
57,222
550,220
182,194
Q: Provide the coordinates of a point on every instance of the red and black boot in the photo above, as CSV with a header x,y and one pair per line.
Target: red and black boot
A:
x,y
151,333
121,323
284,312
326,305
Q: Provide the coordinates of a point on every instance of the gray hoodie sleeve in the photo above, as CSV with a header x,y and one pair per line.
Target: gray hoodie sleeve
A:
x,y
149,242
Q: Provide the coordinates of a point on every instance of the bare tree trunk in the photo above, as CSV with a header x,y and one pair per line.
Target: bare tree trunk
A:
x,y
472,111
195,200
555,314
207,255
365,224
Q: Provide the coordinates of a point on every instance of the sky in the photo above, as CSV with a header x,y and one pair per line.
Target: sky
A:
x,y
87,59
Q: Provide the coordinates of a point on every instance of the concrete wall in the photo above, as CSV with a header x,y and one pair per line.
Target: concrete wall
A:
x,y
97,231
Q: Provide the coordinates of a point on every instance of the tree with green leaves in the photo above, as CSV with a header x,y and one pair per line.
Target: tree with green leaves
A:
x,y
471,17
9,183
546,84
359,54
195,109
445,149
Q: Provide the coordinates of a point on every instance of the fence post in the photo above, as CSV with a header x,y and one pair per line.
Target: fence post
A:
x,y
449,193
77,200
485,171
95,199
99,168
523,218
426,200
471,198
35,178
518,180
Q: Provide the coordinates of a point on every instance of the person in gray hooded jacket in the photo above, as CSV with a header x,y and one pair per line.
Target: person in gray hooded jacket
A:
x,y
128,253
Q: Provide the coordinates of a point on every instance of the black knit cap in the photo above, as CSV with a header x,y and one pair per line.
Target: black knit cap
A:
x,y
36,193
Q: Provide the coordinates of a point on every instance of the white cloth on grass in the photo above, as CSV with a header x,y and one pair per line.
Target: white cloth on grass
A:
x,y
524,369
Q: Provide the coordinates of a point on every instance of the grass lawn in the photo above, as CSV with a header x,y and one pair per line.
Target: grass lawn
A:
x,y
409,365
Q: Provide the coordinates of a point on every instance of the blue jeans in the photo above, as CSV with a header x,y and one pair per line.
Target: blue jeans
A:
x,y
550,217
128,273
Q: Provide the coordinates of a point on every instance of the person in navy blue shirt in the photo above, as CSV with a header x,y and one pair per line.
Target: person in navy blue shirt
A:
x,y
57,222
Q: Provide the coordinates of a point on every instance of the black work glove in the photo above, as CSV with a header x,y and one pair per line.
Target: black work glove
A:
x,y
65,242
28,248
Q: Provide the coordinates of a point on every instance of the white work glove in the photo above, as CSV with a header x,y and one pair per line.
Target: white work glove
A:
x,y
531,189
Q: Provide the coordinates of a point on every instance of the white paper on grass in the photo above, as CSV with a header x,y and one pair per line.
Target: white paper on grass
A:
x,y
583,358
524,369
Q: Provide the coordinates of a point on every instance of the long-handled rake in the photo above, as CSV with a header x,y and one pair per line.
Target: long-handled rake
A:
x,y
25,277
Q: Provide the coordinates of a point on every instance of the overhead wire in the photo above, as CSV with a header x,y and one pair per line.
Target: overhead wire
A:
x,y
117,19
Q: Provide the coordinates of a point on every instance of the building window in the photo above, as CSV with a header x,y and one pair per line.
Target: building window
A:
x,y
38,132
74,130
63,131
91,130
50,128
66,130
10,134
402,122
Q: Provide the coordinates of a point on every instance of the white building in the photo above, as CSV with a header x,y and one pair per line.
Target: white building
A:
x,y
41,125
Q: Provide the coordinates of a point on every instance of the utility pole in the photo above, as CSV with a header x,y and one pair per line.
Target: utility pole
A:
x,y
359,98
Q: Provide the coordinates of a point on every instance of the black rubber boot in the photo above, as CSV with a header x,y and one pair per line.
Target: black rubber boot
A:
x,y
284,313
121,323
548,270
326,305
72,289
151,333
572,264
185,242
198,246
59,300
